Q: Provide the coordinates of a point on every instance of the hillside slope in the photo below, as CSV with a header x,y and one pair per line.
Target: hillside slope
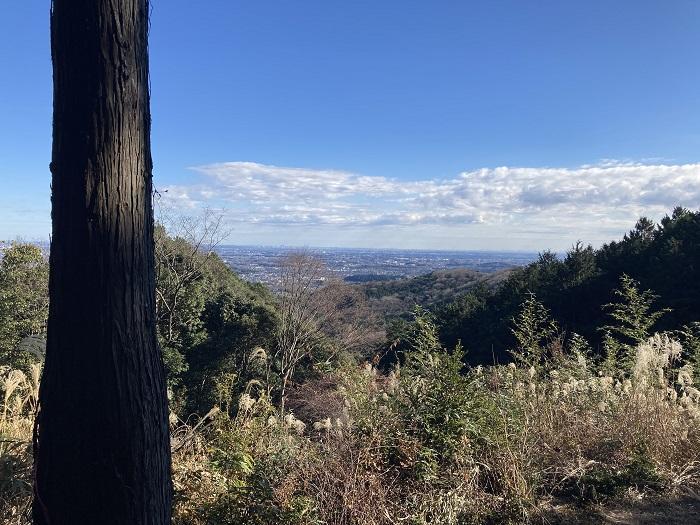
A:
x,y
663,257
396,298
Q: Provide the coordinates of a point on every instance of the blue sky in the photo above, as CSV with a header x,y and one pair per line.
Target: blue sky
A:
x,y
397,123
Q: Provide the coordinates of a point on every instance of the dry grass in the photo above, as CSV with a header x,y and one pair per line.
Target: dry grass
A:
x,y
19,392
561,434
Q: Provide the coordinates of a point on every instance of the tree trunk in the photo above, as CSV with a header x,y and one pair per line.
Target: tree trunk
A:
x,y
102,450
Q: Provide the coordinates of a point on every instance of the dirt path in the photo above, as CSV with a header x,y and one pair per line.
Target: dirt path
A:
x,y
678,511
682,510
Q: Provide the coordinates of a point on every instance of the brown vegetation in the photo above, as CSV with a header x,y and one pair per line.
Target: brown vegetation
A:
x,y
527,445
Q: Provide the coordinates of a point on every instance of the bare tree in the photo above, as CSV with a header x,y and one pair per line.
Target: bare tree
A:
x,y
317,312
184,246
101,443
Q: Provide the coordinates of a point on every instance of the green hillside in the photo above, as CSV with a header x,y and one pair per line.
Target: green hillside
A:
x,y
396,298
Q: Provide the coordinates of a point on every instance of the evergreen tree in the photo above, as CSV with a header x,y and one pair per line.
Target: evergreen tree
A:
x,y
534,330
579,265
24,304
436,404
633,319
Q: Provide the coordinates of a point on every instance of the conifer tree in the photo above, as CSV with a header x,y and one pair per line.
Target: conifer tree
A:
x,y
633,319
533,329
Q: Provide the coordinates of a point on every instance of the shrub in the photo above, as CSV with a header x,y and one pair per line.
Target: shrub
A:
x,y
428,442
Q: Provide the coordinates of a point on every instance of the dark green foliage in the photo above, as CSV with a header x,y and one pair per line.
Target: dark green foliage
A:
x,y
251,480
534,331
664,258
236,320
209,320
24,303
396,298
449,317
603,482
438,405
632,319
632,314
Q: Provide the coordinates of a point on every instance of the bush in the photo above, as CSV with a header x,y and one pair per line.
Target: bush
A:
x,y
426,443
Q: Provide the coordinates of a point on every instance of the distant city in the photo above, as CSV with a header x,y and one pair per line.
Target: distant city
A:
x,y
262,263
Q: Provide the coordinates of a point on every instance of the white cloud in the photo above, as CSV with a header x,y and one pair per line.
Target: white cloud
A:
x,y
589,201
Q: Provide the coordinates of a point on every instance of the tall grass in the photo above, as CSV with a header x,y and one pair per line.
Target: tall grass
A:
x,y
426,443
527,441
19,391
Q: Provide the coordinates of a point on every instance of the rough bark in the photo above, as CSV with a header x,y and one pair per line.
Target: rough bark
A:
x,y
102,450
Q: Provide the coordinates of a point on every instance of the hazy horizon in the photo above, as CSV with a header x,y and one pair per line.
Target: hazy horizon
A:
x,y
527,246
301,247
412,125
